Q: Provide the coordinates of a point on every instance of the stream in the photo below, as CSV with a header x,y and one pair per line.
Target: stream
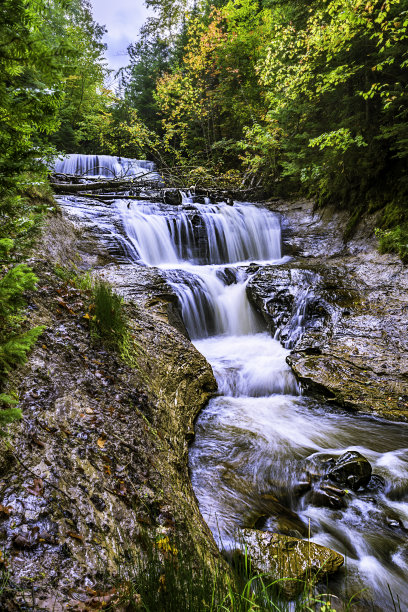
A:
x,y
259,439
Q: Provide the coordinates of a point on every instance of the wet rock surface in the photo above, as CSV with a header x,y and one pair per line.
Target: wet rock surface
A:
x,y
291,561
343,310
148,288
331,480
100,456
272,515
351,469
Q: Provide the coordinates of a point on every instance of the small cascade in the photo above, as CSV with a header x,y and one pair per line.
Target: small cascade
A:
x,y
209,307
240,233
148,235
102,165
186,197
214,234
296,324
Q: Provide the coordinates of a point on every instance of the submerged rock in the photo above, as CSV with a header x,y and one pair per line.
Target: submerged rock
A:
x,y
172,196
351,469
331,477
325,498
277,517
292,562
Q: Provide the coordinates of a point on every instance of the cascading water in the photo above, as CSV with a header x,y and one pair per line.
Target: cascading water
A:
x,y
257,437
102,165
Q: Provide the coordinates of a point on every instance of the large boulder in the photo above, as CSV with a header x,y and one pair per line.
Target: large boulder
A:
x,y
341,308
352,470
290,561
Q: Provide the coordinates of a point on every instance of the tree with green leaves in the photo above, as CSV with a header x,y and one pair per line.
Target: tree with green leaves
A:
x,y
304,98
39,55
84,72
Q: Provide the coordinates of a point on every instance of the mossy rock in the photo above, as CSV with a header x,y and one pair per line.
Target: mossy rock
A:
x,y
291,562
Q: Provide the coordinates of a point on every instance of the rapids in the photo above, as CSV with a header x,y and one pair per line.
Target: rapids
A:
x,y
259,433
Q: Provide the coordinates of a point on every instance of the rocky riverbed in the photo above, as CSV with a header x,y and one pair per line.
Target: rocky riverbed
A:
x,y
98,466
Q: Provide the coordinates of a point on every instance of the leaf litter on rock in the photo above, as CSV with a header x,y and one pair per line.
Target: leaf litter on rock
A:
x,y
37,488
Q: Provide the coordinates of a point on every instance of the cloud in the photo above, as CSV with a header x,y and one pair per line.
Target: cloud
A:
x,y
123,20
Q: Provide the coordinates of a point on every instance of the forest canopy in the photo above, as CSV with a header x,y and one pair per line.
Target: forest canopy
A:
x,y
302,98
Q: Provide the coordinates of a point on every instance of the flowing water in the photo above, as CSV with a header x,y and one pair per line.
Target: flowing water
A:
x,y
260,436
102,166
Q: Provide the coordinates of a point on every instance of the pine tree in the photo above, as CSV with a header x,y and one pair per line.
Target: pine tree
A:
x,y
14,342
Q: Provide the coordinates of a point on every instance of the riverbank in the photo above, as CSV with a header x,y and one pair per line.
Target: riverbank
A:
x,y
96,474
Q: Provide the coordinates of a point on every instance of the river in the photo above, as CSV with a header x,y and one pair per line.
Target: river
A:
x,y
259,438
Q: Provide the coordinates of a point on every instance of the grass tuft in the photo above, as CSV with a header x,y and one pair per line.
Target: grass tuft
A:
x,y
109,318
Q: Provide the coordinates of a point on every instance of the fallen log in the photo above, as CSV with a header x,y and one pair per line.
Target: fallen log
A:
x,y
69,188
112,197
130,185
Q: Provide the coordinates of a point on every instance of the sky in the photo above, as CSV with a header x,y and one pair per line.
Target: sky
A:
x,y
123,19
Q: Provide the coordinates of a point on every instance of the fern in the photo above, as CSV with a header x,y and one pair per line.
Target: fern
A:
x,y
12,287
9,413
14,344
14,351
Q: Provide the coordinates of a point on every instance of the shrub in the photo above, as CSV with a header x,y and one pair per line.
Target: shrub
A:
x,y
394,240
15,343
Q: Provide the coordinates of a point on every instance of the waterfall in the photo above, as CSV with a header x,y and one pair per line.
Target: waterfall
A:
x,y
240,233
199,242
102,165
214,234
210,307
255,439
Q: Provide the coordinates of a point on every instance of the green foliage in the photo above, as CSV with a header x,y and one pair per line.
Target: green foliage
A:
x,y
171,576
106,316
301,97
328,90
15,342
14,351
12,286
392,233
8,411
109,319
149,59
168,577
394,240
85,97
340,140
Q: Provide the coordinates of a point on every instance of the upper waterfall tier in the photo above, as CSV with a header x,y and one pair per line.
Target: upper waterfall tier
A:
x,y
102,165
203,234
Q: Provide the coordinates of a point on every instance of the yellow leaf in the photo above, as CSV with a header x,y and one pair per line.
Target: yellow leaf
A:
x,y
101,442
